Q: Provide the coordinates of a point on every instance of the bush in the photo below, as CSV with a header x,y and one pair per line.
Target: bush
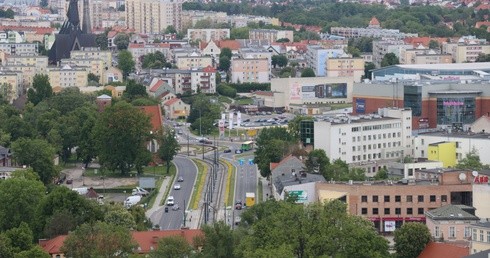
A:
x,y
248,87
226,90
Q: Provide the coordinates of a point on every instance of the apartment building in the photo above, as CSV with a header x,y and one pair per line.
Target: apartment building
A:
x,y
39,62
383,47
423,55
140,49
153,16
207,35
317,56
191,17
451,222
28,72
255,53
67,76
93,53
361,139
469,52
345,67
10,84
94,66
271,35
250,70
194,61
19,48
183,81
370,32
11,36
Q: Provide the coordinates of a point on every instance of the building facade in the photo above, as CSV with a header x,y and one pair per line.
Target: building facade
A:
x,y
383,47
194,61
444,152
153,16
480,237
345,67
67,76
451,222
250,70
270,35
207,35
30,49
317,56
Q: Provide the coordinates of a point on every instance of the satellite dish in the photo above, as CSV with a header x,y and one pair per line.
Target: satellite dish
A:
x,y
462,177
474,173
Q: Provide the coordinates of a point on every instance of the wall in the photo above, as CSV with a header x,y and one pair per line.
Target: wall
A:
x,y
481,195
444,152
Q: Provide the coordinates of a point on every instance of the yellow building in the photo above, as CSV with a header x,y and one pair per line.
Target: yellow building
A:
x,y
94,66
10,84
345,67
93,53
67,76
194,61
444,152
480,237
470,52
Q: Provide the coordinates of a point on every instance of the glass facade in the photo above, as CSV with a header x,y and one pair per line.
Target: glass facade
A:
x,y
412,98
455,110
307,132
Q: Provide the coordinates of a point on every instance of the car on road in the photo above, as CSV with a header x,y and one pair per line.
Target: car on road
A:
x,y
238,205
177,187
175,207
238,151
238,220
180,179
166,209
170,201
227,151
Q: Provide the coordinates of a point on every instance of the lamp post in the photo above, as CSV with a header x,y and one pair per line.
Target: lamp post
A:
x,y
200,122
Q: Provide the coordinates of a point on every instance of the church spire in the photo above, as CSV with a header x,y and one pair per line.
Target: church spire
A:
x,y
86,27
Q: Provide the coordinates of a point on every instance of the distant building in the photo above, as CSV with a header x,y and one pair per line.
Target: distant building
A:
x,y
67,76
19,48
317,56
451,222
345,67
207,35
374,30
383,47
444,152
250,70
271,35
175,108
152,16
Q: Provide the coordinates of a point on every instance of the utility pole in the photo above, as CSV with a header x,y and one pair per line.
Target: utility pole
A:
x,y
185,215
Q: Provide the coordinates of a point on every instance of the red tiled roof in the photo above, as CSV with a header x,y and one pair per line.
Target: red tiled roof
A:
x,y
482,7
155,114
209,69
374,21
482,23
112,34
231,44
444,250
136,45
265,93
53,246
157,85
148,239
171,101
424,41
37,30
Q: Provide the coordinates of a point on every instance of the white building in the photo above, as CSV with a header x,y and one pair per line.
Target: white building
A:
x,y
207,35
383,47
250,70
153,16
19,48
366,139
317,56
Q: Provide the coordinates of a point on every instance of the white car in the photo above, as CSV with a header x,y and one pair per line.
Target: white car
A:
x,y
139,191
177,187
170,201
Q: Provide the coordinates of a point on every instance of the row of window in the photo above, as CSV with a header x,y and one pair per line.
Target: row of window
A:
x,y
373,137
398,198
387,211
373,146
452,232
482,235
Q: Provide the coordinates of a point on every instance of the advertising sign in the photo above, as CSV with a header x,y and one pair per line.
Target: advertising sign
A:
x,y
424,123
295,92
230,123
238,119
390,226
302,196
360,106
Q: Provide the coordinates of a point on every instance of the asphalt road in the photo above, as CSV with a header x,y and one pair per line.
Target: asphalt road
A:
x,y
173,219
245,182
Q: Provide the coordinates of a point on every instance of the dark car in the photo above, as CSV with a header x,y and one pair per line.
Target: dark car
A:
x,y
227,151
180,179
238,205
166,209
69,181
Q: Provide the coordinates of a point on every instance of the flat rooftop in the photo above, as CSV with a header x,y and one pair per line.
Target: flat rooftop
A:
x,y
458,134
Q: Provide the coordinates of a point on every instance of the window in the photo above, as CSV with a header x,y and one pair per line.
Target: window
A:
x,y
420,211
436,231
409,211
398,198
398,211
452,232
432,198
481,235
375,198
387,198
409,198
364,211
364,198
488,236
443,198
467,232
474,235
375,211
420,198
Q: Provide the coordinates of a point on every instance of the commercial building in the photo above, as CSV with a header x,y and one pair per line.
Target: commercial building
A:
x,y
153,16
250,70
366,141
271,35
207,35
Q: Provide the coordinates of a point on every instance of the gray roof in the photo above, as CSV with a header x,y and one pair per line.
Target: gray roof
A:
x,y
485,224
451,212
482,254
283,176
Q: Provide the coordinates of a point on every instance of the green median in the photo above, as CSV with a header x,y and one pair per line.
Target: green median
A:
x,y
199,185
230,186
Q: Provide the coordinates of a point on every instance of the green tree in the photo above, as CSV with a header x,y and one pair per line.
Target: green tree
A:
x,y
41,89
134,90
218,240
317,162
38,154
6,93
294,125
101,40
411,239
93,78
172,247
59,223
170,30
86,144
224,63
121,41
21,237
19,198
389,59
169,147
119,216
125,62
226,52
98,240
272,145
368,67
382,174
471,161
34,252
5,246
121,133
433,44
279,60
308,72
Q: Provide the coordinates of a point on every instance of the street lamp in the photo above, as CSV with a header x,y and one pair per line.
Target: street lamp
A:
x,y
200,122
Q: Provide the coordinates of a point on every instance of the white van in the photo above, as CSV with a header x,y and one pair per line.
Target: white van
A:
x,y
132,200
170,201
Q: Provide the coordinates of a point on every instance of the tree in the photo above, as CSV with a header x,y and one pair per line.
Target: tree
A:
x,y
121,133
19,198
6,93
93,78
98,240
433,44
272,145
411,239
169,147
368,67
119,216
226,52
171,247
294,126
483,58
43,3
21,237
279,60
125,62
218,240
224,63
389,59
471,161
38,154
170,30
41,89
134,90
101,40
382,174
308,72
121,41
317,162
5,246
34,252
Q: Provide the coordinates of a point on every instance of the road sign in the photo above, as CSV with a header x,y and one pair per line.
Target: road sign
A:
x,y
251,161
241,161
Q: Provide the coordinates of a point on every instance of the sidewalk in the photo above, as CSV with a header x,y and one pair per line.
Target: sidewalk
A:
x,y
155,213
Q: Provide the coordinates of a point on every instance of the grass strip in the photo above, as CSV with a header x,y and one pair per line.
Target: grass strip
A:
x,y
199,185
260,191
230,183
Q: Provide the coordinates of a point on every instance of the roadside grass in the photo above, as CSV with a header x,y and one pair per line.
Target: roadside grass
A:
x,y
340,105
224,99
244,101
230,186
147,171
199,186
167,191
260,198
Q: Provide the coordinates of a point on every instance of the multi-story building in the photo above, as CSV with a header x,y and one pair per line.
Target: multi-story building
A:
x,y
39,62
451,222
255,53
94,66
389,204
140,49
19,48
194,61
383,47
207,35
317,56
469,52
93,53
250,70
67,76
28,72
345,67
10,84
153,16
271,35
374,30
191,81
11,36
480,237
191,17
444,152
361,140
423,55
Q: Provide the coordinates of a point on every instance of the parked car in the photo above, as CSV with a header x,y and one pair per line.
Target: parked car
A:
x,y
227,151
177,187
238,151
140,191
180,179
170,201
69,181
238,205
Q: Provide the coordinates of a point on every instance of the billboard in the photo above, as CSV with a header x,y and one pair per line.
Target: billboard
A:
x,y
295,92
331,90
302,196
424,123
360,106
390,226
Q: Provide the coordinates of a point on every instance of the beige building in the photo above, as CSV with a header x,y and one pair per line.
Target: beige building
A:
x,y
153,16
250,70
93,53
10,84
451,222
193,61
67,76
19,48
423,55
140,49
469,52
207,35
39,62
28,73
271,35
345,67
480,237
176,108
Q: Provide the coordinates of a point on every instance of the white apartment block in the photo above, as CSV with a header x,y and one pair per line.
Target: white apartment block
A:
x,y
383,47
153,16
183,81
207,35
366,139
423,55
93,53
271,35
250,70
370,32
194,61
19,48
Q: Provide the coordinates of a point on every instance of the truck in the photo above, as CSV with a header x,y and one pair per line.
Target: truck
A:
x,y
132,200
249,199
